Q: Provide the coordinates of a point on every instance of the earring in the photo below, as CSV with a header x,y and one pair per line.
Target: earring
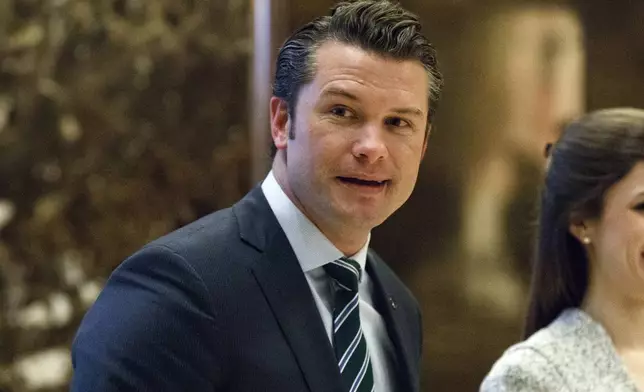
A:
x,y
586,240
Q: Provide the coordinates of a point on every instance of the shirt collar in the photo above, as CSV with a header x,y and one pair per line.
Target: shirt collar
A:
x,y
311,247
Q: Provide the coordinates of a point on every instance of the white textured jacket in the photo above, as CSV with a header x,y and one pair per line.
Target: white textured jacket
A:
x,y
573,354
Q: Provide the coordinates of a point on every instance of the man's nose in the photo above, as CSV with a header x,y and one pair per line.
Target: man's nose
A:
x,y
370,144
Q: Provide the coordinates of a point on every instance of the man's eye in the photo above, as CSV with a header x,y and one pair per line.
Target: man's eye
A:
x,y
341,111
397,122
639,207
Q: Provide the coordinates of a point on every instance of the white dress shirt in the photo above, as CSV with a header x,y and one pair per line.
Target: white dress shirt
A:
x,y
313,250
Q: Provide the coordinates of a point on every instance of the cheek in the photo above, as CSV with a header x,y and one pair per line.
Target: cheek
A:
x,y
613,244
415,147
620,248
638,240
330,147
408,158
632,230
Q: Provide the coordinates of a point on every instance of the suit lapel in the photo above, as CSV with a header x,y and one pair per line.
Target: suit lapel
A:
x,y
385,296
282,280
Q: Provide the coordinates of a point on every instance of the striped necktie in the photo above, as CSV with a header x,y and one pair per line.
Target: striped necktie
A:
x,y
349,343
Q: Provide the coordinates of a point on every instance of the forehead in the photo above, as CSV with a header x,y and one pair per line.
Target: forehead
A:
x,y
347,66
628,188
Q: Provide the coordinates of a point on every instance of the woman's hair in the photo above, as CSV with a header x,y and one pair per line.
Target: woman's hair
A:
x,y
593,153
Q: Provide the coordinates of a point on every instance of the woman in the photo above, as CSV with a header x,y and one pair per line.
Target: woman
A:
x,y
585,324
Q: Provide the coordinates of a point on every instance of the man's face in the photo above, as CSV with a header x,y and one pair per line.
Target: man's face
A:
x,y
359,136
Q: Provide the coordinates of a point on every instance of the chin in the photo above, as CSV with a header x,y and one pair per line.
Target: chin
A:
x,y
368,220
360,215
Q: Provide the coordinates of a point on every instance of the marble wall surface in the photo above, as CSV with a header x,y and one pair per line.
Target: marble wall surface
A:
x,y
120,120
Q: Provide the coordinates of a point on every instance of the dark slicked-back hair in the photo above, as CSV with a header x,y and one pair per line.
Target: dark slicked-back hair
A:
x,y
377,26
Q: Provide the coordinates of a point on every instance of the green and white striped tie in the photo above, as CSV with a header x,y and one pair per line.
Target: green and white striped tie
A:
x,y
349,342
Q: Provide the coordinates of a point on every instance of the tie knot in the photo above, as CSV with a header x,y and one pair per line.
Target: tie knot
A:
x,y
346,273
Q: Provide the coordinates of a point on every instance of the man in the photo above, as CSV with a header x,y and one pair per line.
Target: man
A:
x,y
280,292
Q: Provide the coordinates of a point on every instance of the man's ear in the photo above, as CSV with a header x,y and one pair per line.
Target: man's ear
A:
x,y
280,123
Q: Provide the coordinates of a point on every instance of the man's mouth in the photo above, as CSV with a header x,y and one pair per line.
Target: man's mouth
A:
x,y
363,182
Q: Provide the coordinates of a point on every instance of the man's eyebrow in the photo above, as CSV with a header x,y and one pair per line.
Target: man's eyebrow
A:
x,y
340,92
335,91
411,111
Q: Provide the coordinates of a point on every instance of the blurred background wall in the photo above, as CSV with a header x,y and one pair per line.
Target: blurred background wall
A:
x,y
121,120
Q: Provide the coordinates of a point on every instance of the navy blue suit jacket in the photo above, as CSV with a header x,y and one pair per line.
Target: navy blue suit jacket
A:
x,y
223,305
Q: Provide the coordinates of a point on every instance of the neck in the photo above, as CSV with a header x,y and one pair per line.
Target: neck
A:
x,y
620,315
347,240
347,243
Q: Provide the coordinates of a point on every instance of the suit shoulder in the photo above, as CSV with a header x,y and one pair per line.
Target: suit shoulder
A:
x,y
210,247
212,238
215,226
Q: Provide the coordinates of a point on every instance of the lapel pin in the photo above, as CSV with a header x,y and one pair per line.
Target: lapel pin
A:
x,y
393,303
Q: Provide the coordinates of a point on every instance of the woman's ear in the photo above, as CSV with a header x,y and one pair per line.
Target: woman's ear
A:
x,y
582,230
